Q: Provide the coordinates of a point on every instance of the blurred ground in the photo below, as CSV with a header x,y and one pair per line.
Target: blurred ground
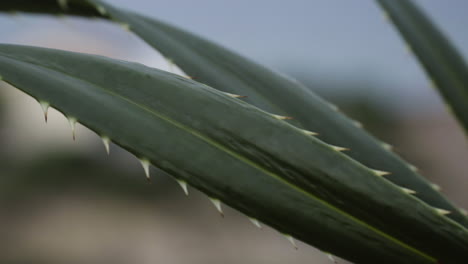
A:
x,y
68,202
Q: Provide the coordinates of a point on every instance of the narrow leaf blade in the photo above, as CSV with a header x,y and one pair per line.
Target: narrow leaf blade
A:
x,y
443,63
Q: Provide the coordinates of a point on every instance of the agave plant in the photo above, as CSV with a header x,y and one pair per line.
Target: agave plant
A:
x,y
254,139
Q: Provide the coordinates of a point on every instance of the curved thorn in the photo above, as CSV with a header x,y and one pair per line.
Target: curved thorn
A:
x,y
339,149
408,191
146,163
333,107
72,121
387,146
357,124
408,49
442,211
380,173
102,11
436,187
106,142
310,133
170,63
235,95
280,117
331,258
217,205
386,16
291,239
125,26
413,168
45,109
255,222
184,186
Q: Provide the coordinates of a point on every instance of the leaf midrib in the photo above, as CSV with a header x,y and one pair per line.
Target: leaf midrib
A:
x,y
241,158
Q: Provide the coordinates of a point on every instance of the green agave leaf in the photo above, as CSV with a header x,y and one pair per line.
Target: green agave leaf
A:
x,y
227,71
270,91
442,62
77,7
235,152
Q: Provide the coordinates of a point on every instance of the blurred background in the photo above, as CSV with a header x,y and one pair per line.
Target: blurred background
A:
x,y
68,202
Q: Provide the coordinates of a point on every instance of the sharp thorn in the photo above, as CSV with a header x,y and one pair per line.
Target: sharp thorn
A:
x,y
125,26
170,63
280,117
442,211
463,212
255,222
408,191
381,173
184,186
387,146
310,133
102,11
45,109
146,167
436,187
333,107
385,16
291,240
339,149
106,142
331,258
357,124
72,121
408,48
413,168
235,95
217,204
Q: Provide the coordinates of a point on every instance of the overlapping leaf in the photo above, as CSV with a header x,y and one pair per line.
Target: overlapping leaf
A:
x,y
227,71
